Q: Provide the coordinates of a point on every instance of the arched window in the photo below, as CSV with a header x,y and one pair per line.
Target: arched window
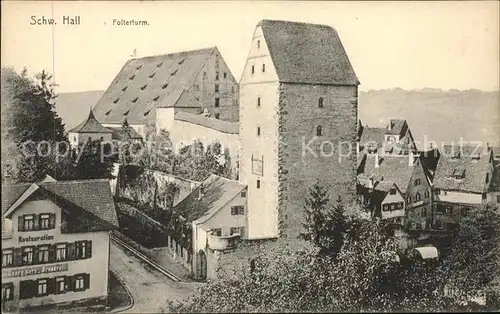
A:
x,y
319,131
409,199
320,102
417,197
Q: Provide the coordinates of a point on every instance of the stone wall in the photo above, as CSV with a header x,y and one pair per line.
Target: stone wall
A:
x,y
305,157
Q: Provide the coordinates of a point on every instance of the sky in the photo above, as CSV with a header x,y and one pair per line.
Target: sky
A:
x,y
390,44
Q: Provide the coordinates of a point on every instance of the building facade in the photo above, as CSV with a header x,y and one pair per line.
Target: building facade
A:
x,y
294,110
55,243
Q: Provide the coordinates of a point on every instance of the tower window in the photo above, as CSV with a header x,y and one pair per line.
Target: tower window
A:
x,y
258,131
258,43
253,69
263,67
258,101
217,62
320,102
216,76
225,75
204,75
319,131
216,88
217,101
258,184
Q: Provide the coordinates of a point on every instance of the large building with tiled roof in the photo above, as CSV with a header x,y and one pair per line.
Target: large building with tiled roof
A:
x,y
151,90
462,180
55,242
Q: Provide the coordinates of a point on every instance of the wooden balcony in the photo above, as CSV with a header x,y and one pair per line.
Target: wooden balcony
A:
x,y
222,243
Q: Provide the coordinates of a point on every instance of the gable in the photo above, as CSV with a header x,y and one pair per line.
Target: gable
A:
x,y
258,54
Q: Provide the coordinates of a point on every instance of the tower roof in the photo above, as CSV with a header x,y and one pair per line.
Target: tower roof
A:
x,y
307,53
90,125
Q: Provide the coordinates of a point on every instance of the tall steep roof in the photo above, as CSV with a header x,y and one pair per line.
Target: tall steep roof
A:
x,y
397,170
146,83
307,53
90,125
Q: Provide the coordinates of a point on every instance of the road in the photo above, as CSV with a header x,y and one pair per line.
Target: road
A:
x,y
149,289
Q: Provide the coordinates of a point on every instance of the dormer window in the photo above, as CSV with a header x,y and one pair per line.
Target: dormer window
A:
x,y
156,98
144,87
173,73
146,113
392,192
107,113
320,102
182,61
159,64
164,86
124,89
152,75
135,99
126,112
319,131
139,67
115,101
132,77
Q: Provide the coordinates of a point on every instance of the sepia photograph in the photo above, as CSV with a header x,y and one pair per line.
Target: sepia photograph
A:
x,y
250,156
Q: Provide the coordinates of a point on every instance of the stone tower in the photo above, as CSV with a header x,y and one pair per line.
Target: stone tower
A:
x,y
298,104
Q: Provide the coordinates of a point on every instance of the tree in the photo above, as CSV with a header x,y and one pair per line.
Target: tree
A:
x,y
471,264
28,119
325,224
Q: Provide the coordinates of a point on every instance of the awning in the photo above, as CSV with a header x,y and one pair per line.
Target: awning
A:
x,y
427,252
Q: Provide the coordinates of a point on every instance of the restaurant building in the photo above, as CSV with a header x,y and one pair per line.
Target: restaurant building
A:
x,y
55,243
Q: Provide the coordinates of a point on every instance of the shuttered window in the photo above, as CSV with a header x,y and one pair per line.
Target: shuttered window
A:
x,y
7,258
7,291
55,285
45,221
61,252
27,253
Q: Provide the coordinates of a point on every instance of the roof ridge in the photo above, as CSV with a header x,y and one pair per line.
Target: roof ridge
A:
x,y
192,51
294,22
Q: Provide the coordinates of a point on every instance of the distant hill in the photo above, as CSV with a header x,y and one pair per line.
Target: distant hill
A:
x,y
74,107
444,115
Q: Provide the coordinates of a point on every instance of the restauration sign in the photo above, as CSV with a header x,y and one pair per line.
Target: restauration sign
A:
x,y
34,270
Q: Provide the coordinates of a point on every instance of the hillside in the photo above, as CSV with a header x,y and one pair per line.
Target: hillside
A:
x,y
74,107
441,115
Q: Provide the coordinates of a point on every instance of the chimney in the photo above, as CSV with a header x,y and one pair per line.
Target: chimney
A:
x,y
410,159
376,160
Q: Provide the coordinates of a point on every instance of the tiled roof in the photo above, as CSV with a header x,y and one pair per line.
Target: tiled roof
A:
x,y
398,127
180,98
90,125
212,123
373,135
384,186
395,169
307,53
475,169
146,83
90,202
117,133
217,192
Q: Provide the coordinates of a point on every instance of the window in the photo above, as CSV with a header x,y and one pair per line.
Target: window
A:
x,y
27,254
216,76
319,131
217,101
143,87
400,205
487,178
42,287
417,182
101,139
243,194
225,75
217,115
237,230
237,210
320,102
217,62
28,222
258,184
385,207
47,221
135,99
79,282
393,206
263,67
132,77
484,196
437,192
409,199
498,198
7,257
83,249
7,291
173,73
204,75
253,69
152,75
417,197
258,130
465,210
43,254
449,210
258,43
60,285
159,64
258,101
426,194
392,192
217,232
182,61
61,252
216,88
